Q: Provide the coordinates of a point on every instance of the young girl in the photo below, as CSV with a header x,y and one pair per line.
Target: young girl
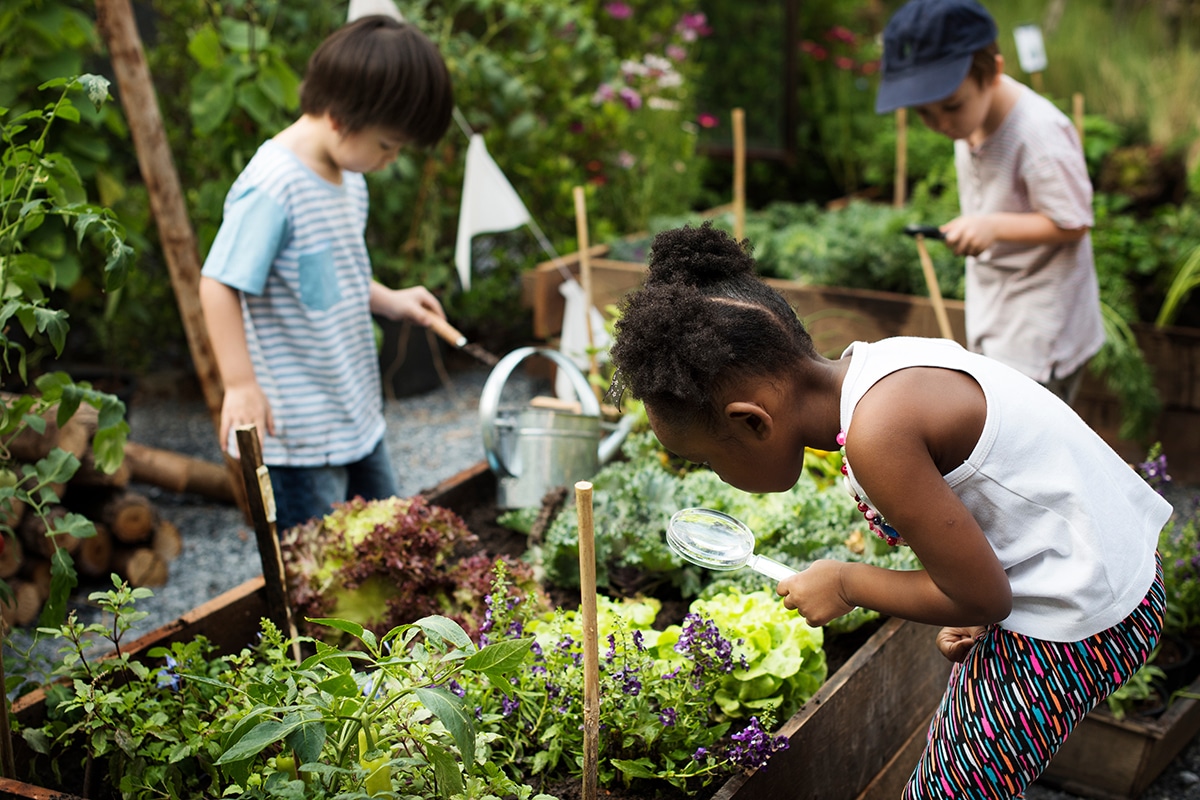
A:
x,y
1037,540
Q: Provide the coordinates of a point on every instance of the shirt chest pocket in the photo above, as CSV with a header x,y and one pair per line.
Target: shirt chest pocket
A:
x,y
319,288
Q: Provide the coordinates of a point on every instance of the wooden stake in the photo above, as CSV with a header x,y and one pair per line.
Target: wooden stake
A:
x,y
739,174
591,640
935,291
136,90
1036,79
900,194
261,499
1077,113
585,279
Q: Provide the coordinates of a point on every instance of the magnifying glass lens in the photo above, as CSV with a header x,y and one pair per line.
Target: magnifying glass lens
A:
x,y
710,538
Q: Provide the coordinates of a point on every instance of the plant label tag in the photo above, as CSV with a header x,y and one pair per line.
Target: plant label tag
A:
x,y
268,492
1031,50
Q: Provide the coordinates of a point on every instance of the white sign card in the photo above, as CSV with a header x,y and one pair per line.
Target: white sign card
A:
x,y
1031,50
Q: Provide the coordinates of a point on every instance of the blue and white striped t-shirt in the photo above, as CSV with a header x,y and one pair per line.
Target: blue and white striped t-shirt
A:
x,y
292,244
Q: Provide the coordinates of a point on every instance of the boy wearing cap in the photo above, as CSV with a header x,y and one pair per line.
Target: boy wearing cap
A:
x,y
287,291
1032,297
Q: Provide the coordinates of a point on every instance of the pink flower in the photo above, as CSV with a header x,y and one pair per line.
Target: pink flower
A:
x,y
676,52
870,67
603,94
840,34
844,62
626,159
692,26
619,10
630,97
707,120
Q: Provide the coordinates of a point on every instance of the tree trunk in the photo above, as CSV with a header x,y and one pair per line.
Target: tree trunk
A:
x,y
140,566
136,91
178,472
166,540
130,517
94,556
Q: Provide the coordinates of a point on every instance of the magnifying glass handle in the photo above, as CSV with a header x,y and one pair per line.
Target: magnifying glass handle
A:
x,y
770,567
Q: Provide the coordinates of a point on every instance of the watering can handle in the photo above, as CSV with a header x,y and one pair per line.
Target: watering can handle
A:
x,y
489,398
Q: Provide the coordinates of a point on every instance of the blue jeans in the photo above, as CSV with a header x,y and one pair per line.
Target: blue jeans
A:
x,y
302,493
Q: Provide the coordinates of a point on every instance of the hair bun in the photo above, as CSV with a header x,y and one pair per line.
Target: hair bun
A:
x,y
698,256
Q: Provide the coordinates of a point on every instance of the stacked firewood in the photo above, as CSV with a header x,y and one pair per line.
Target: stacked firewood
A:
x,y
132,538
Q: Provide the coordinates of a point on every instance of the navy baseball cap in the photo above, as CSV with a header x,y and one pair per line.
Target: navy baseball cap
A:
x,y
927,50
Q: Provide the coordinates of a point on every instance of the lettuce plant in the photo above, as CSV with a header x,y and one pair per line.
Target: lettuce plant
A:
x,y
388,562
658,719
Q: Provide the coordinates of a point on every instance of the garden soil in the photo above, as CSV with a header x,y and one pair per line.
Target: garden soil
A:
x,y
430,437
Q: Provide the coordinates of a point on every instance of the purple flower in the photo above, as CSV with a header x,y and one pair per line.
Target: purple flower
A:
x,y
700,754
630,97
619,10
456,689
509,705
753,746
667,717
167,677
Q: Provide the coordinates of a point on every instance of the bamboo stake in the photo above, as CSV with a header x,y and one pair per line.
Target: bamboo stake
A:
x,y
136,89
591,641
739,174
261,500
900,196
585,279
1077,109
935,291
1036,79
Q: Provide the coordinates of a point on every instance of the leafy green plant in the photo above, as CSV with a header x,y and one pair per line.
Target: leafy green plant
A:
x,y
375,719
656,696
383,563
39,184
782,661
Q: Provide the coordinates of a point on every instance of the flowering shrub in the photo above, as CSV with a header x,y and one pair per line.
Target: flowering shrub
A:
x,y
658,719
646,167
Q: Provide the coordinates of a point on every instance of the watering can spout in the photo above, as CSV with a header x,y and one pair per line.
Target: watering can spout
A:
x,y
612,443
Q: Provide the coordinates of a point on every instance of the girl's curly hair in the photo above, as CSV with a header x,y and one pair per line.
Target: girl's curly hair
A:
x,y
703,316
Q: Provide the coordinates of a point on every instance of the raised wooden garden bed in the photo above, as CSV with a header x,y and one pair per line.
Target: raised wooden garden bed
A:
x,y
858,737
836,317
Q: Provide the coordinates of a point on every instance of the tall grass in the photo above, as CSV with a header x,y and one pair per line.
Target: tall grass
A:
x,y
1134,63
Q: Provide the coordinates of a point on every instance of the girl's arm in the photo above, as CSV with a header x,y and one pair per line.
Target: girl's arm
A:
x,y
910,429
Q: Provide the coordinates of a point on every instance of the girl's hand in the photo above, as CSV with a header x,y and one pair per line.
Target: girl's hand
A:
x,y
956,643
816,593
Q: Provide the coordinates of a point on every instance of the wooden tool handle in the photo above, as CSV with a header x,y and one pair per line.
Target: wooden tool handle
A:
x,y
448,332
935,292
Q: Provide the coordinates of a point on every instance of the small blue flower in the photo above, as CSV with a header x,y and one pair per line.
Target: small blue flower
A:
x,y
167,677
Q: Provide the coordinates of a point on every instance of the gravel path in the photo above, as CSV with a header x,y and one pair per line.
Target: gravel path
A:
x,y
430,437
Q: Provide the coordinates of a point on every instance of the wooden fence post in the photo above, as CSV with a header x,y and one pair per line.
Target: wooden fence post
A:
x,y
178,240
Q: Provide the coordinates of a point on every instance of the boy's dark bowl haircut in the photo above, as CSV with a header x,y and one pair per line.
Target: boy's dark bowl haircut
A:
x,y
378,71
927,51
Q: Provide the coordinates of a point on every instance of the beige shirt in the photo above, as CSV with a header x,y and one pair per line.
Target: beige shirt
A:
x,y
1033,307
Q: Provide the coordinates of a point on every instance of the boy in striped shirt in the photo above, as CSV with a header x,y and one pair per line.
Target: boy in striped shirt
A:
x,y
1032,297
287,290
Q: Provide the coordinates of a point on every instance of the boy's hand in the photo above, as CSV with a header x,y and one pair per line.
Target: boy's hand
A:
x,y
816,593
969,236
415,303
245,405
956,643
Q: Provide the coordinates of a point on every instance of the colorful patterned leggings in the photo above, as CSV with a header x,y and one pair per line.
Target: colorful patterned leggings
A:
x,y
1010,705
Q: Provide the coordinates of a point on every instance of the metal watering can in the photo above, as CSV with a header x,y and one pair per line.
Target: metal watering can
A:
x,y
533,450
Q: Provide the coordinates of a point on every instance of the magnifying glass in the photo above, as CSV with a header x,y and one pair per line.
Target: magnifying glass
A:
x,y
718,541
